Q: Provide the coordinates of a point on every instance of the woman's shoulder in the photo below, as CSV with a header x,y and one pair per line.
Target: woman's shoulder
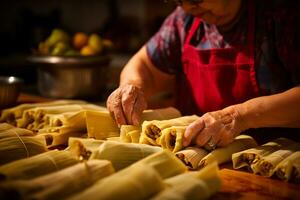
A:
x,y
180,18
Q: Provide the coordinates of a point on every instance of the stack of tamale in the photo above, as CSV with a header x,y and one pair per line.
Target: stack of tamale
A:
x,y
279,157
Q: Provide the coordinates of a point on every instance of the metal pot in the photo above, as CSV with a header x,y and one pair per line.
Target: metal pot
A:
x,y
71,77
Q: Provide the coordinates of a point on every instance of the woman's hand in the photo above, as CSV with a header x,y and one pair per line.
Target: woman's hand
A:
x,y
217,128
126,104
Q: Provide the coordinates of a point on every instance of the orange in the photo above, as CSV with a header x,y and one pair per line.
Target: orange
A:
x,y
80,40
87,51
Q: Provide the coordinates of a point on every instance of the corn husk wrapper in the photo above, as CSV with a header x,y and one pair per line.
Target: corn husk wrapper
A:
x,y
14,148
56,116
116,139
136,182
191,156
172,138
61,184
130,133
37,165
123,154
289,168
165,163
82,148
251,156
7,130
192,185
152,130
10,115
224,154
54,139
100,125
267,164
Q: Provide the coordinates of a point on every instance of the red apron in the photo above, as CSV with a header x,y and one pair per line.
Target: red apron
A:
x,y
216,78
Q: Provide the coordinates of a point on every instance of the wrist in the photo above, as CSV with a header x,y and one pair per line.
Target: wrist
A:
x,y
238,115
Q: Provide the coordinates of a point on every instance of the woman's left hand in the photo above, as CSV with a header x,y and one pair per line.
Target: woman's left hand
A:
x,y
215,129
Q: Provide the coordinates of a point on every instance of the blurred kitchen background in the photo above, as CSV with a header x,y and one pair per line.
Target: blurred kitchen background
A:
x,y
25,23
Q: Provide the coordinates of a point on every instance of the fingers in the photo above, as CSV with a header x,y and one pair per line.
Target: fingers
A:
x,y
192,131
129,97
126,105
139,106
115,108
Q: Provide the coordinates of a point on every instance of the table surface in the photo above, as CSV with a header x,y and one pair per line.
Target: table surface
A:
x,y
235,184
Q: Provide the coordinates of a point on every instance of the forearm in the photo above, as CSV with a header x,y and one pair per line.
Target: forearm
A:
x,y
140,72
279,110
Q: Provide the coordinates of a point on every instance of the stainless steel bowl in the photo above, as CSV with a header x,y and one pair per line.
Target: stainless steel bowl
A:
x,y
71,77
10,87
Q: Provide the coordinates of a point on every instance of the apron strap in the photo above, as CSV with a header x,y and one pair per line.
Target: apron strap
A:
x,y
193,29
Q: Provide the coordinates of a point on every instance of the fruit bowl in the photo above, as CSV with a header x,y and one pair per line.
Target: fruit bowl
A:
x,y
71,76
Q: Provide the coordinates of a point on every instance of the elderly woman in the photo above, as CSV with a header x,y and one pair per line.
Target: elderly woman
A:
x,y
235,63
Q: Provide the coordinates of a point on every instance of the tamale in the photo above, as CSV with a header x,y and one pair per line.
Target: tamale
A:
x,y
249,157
191,156
100,125
82,148
37,165
171,138
61,137
10,115
192,185
289,168
14,148
5,126
60,184
130,133
224,154
152,130
136,182
165,163
60,115
267,164
116,139
7,130
123,154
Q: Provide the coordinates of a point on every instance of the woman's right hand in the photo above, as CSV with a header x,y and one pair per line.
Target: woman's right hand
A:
x,y
126,104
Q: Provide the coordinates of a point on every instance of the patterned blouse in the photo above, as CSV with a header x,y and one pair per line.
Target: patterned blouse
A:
x,y
277,42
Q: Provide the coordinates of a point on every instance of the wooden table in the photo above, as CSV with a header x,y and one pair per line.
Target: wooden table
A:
x,y
235,184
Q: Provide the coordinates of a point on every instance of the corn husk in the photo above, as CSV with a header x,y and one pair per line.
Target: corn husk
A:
x,y
10,115
56,116
136,182
37,165
59,185
123,154
191,156
82,148
54,139
171,138
289,168
100,125
116,139
192,185
224,154
267,164
152,130
7,130
14,148
251,156
165,163
130,133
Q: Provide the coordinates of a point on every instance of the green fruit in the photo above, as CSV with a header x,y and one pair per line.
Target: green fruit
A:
x,y
59,49
57,36
72,52
95,42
